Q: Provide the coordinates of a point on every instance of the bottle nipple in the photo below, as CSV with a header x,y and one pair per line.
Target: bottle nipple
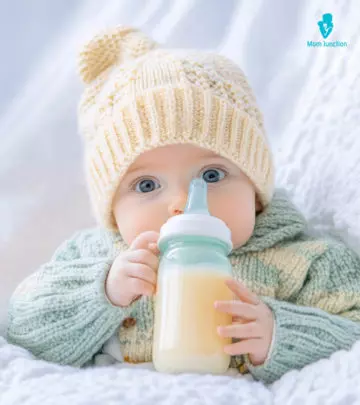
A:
x,y
197,198
201,223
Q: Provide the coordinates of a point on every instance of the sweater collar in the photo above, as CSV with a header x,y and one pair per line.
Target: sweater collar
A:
x,y
279,221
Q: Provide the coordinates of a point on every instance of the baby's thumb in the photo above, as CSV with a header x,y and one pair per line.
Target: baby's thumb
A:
x,y
154,248
143,240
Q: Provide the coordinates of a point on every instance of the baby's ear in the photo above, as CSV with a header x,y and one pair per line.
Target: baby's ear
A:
x,y
258,205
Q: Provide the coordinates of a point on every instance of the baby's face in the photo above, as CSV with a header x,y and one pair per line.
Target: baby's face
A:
x,y
155,188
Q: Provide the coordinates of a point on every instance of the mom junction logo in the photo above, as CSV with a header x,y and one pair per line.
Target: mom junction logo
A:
x,y
326,27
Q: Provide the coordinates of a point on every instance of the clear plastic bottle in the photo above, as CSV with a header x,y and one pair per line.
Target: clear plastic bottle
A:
x,y
193,268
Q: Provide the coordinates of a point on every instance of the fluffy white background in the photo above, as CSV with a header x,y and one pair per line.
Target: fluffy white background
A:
x,y
310,98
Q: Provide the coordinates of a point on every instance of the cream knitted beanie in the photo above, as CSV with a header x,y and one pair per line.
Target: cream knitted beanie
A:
x,y
139,96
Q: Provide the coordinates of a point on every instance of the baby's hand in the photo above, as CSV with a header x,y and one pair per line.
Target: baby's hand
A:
x,y
134,272
253,323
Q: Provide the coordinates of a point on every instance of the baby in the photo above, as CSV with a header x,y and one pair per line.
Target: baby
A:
x,y
152,119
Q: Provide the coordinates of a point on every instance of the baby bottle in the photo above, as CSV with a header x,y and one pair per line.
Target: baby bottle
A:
x,y
193,267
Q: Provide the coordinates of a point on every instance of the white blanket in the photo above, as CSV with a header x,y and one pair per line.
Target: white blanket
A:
x,y
25,381
310,99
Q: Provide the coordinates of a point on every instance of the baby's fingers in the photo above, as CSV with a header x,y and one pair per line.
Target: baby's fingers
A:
x,y
143,256
241,331
141,271
143,240
242,292
247,346
154,248
141,287
238,308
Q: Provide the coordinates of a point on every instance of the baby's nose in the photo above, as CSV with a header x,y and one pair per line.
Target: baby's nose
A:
x,y
177,205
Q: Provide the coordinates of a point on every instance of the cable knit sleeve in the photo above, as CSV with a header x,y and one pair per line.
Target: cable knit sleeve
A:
x,y
61,313
324,318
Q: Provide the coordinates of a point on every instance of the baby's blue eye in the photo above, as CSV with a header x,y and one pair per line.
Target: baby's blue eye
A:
x,y
146,186
213,175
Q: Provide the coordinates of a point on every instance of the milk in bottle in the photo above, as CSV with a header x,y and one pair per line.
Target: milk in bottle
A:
x,y
193,268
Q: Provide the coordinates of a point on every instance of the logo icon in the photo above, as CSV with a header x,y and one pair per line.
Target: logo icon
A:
x,y
326,25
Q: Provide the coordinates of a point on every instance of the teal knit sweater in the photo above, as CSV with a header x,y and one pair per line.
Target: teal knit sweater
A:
x,y
61,313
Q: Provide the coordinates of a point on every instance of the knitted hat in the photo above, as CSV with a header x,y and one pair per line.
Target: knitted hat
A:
x,y
139,96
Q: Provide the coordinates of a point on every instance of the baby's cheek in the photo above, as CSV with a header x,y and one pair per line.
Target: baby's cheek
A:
x,y
130,230
131,226
239,237
242,228
127,226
